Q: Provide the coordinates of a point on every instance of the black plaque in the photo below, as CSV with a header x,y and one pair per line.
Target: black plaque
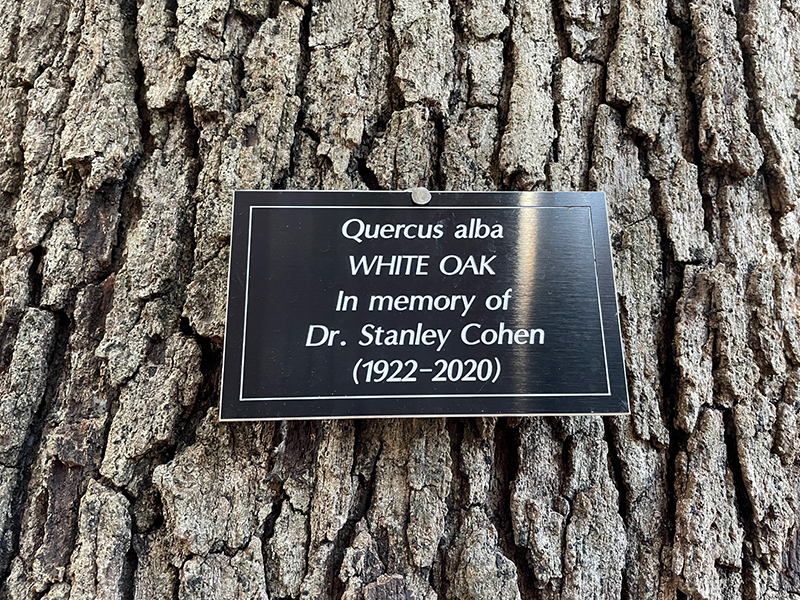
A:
x,y
362,304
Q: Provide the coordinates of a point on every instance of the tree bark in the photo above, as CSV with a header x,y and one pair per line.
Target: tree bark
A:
x,y
124,128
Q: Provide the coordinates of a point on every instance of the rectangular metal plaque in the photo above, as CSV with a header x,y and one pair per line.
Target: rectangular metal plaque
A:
x,y
362,304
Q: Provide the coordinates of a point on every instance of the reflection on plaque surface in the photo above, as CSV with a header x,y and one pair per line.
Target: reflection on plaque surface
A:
x,y
361,304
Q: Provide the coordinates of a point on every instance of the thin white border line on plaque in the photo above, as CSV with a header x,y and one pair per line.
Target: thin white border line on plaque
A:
x,y
246,298
425,416
404,396
599,301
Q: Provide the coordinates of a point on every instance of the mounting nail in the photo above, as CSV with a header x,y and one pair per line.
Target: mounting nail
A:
x,y
420,195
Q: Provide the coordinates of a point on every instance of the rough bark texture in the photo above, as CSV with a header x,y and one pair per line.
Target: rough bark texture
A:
x,y
124,127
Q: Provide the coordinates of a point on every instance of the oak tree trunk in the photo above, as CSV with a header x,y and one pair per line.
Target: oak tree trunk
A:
x,y
124,127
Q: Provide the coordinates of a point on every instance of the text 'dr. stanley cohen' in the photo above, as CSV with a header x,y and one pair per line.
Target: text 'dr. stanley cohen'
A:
x,y
360,304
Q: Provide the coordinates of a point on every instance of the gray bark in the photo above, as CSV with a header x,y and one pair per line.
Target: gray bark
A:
x,y
124,127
